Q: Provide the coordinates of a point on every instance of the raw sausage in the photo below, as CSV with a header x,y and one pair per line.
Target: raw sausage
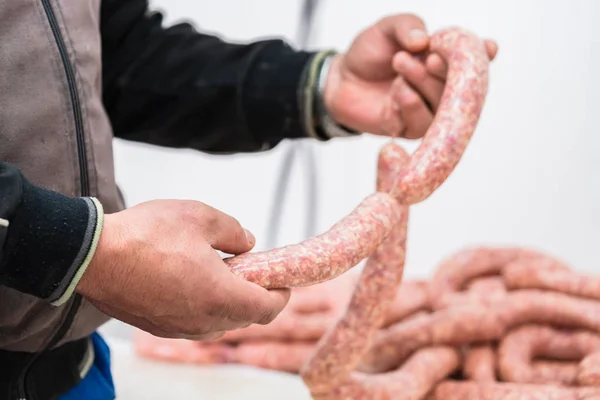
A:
x,y
491,285
451,390
522,345
588,372
392,346
555,372
413,381
340,349
473,323
480,363
534,276
411,298
183,351
279,356
486,290
457,271
325,256
455,119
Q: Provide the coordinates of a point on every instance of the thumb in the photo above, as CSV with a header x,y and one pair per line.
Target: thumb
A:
x,y
406,30
226,234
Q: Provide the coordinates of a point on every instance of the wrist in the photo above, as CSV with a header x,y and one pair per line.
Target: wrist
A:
x,y
328,84
106,255
329,81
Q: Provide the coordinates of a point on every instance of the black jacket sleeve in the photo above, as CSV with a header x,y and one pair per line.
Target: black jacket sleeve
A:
x,y
176,87
46,239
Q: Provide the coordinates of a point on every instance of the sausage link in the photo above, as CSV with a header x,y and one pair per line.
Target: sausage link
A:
x,y
552,308
534,276
555,372
522,345
480,363
278,356
292,326
588,372
326,256
455,272
451,390
392,346
341,348
413,381
271,355
477,323
392,157
490,285
485,290
411,298
420,374
183,351
455,119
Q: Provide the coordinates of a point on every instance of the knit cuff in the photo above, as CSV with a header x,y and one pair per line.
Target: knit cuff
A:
x,y
50,241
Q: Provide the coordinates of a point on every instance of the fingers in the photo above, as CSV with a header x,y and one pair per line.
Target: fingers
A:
x,y
413,71
413,111
249,303
406,30
225,233
391,123
437,67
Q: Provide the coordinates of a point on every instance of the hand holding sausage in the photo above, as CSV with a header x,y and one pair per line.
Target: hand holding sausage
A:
x,y
157,268
392,49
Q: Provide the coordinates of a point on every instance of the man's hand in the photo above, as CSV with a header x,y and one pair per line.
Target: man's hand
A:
x,y
359,81
156,267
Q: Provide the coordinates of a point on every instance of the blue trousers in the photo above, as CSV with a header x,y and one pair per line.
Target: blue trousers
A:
x,y
98,383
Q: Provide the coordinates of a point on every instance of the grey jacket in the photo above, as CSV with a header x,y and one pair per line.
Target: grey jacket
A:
x,y
74,74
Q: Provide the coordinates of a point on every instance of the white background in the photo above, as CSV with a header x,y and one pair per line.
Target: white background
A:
x,y
529,177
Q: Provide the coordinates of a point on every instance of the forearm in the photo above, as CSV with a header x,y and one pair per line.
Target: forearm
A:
x,y
46,239
179,88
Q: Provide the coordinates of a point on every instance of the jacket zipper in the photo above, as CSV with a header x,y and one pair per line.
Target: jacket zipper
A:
x,y
84,182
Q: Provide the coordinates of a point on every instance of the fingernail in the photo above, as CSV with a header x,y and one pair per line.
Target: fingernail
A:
x,y
250,237
417,35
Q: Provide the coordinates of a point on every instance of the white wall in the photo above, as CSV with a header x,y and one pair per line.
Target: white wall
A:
x,y
530,175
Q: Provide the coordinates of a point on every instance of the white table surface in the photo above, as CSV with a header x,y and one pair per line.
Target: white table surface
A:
x,y
137,378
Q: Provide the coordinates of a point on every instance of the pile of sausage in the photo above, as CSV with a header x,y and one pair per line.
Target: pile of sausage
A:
x,y
356,358
507,323
491,324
